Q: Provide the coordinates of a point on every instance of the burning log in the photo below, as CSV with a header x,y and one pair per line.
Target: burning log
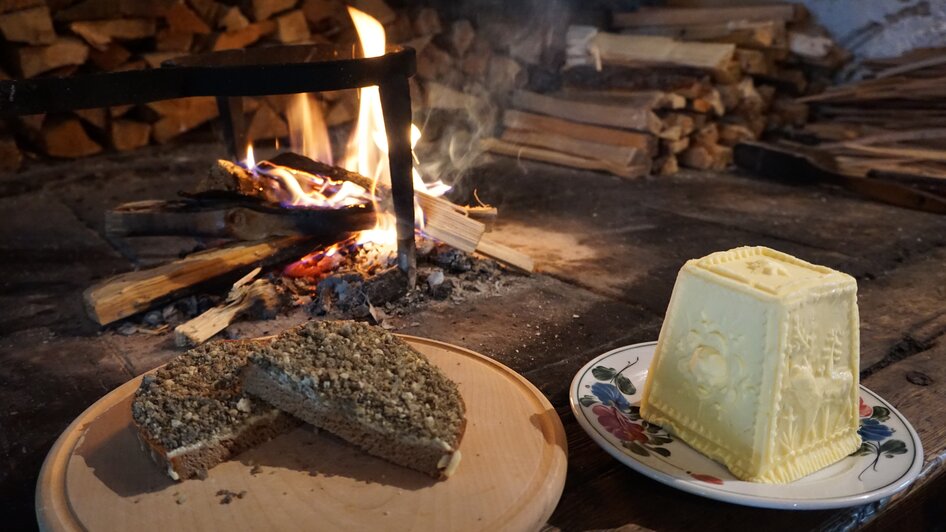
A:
x,y
256,297
233,218
133,292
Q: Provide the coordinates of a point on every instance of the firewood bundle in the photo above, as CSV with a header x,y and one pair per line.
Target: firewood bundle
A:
x,y
670,87
889,123
44,38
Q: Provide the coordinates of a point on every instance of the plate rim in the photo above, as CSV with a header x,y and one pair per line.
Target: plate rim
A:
x,y
757,501
54,511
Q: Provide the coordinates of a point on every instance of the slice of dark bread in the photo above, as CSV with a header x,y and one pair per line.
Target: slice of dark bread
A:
x,y
192,414
366,386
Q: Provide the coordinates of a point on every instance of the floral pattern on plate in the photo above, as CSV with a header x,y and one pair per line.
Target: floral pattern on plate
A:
x,y
605,401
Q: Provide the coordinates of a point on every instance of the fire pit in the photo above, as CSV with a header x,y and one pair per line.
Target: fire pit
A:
x,y
232,74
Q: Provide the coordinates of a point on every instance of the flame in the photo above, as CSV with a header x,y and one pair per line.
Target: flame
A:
x,y
366,153
308,132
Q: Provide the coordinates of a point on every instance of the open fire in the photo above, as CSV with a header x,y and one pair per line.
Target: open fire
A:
x,y
366,154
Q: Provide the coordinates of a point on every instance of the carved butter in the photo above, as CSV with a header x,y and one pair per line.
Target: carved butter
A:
x,y
757,364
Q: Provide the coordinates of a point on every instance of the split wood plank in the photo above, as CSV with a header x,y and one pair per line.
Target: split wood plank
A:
x,y
129,135
688,16
34,60
182,19
68,139
182,115
246,297
750,34
618,155
241,38
133,292
505,254
587,112
603,135
292,27
548,156
100,33
31,26
651,50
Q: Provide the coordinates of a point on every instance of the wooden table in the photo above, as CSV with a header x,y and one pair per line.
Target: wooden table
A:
x,y
609,251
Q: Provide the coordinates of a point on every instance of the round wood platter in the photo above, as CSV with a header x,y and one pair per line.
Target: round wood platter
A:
x,y
96,476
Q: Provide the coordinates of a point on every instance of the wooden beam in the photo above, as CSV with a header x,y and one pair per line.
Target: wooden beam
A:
x,y
133,292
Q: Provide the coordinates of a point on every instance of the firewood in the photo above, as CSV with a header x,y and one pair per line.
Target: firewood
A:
x,y
533,122
646,99
110,9
155,59
67,138
292,27
722,157
790,79
687,16
243,37
589,113
33,60
707,135
548,156
810,46
129,135
504,74
449,224
674,147
732,134
258,297
209,11
754,62
180,116
111,58
182,19
99,33
666,165
709,102
790,111
677,125
133,292
17,5
440,96
261,10
505,255
476,61
266,124
11,158
233,19
618,155
342,112
644,50
427,22
119,110
31,26
433,63
697,157
751,34
94,117
462,36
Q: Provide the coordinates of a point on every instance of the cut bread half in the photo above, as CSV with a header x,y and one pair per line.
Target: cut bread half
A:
x,y
366,386
192,414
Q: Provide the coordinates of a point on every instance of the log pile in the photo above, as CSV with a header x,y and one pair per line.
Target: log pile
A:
x,y
889,123
457,67
672,87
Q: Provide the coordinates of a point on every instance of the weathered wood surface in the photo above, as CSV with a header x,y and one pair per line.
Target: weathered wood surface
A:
x,y
609,250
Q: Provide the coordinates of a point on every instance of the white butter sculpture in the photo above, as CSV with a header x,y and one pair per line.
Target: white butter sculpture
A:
x,y
757,364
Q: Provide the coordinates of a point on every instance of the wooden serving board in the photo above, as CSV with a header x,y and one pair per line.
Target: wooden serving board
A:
x,y
96,476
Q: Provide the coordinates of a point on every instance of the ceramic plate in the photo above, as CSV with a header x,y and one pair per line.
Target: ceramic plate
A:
x,y
605,397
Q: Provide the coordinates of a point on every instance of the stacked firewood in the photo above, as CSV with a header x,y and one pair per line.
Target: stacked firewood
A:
x,y
671,87
64,38
890,122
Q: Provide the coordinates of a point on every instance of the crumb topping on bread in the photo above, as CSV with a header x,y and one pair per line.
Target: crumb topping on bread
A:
x,y
197,397
375,376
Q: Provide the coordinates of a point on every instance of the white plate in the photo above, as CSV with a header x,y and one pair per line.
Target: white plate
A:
x,y
605,396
